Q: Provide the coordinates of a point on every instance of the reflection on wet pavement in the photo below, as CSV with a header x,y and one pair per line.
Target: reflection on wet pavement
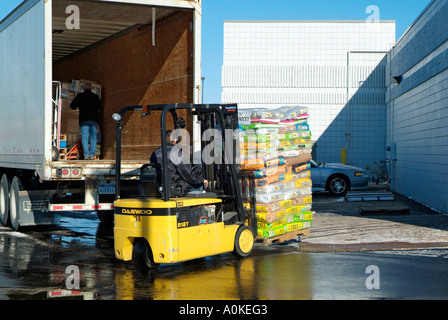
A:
x,y
222,277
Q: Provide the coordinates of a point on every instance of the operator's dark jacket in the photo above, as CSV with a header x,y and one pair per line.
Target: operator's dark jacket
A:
x,y
89,105
184,176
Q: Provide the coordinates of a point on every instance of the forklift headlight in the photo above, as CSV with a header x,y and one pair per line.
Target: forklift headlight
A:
x,y
116,117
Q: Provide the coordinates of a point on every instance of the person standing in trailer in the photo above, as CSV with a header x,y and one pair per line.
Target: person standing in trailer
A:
x,y
89,105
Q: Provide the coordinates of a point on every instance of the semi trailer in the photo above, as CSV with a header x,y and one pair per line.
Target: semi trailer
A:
x,y
138,52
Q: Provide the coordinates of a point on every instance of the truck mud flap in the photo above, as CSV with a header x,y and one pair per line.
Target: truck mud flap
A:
x,y
34,209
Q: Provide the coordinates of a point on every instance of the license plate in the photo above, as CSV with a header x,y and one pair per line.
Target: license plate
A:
x,y
107,189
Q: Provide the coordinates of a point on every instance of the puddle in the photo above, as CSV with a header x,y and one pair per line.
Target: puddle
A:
x,y
76,228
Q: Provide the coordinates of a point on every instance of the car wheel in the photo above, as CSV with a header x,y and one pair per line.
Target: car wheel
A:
x,y
338,185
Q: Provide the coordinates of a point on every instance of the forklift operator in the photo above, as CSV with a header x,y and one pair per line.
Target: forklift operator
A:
x,y
185,177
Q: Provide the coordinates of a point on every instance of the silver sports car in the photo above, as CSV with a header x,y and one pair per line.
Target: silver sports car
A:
x,y
338,178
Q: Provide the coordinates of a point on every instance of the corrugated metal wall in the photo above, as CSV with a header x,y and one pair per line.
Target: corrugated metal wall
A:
x,y
417,109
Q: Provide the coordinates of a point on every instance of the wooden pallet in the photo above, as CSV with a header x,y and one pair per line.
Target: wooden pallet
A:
x,y
284,237
383,210
369,196
63,153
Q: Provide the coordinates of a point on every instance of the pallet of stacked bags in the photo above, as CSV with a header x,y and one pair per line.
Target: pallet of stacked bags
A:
x,y
276,147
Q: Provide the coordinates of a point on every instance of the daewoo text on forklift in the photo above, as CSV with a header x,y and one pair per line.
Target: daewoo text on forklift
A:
x,y
157,227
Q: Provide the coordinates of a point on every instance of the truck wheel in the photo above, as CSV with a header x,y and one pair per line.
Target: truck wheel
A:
x,y
14,208
4,200
143,254
244,241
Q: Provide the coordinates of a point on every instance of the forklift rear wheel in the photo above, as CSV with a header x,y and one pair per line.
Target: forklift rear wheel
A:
x,y
244,241
143,254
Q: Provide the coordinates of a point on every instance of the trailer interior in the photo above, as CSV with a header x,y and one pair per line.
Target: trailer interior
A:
x,y
138,54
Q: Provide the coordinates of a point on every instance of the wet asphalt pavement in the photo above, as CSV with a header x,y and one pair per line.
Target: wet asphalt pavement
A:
x,y
35,264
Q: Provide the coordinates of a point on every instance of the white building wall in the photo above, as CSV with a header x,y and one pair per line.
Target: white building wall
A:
x,y
417,109
276,63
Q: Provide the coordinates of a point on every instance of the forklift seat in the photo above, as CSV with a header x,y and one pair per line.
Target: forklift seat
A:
x,y
150,180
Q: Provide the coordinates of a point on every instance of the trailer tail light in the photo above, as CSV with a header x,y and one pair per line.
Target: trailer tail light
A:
x,y
69,172
76,172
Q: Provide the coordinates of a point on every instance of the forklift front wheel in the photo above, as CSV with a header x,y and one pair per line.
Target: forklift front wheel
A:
x,y
244,241
143,254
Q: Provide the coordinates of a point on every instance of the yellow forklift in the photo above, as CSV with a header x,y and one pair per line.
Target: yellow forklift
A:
x,y
156,226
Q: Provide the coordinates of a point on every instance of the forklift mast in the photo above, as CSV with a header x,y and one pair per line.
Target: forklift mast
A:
x,y
224,175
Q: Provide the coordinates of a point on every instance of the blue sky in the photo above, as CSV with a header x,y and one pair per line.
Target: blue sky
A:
x,y
214,12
